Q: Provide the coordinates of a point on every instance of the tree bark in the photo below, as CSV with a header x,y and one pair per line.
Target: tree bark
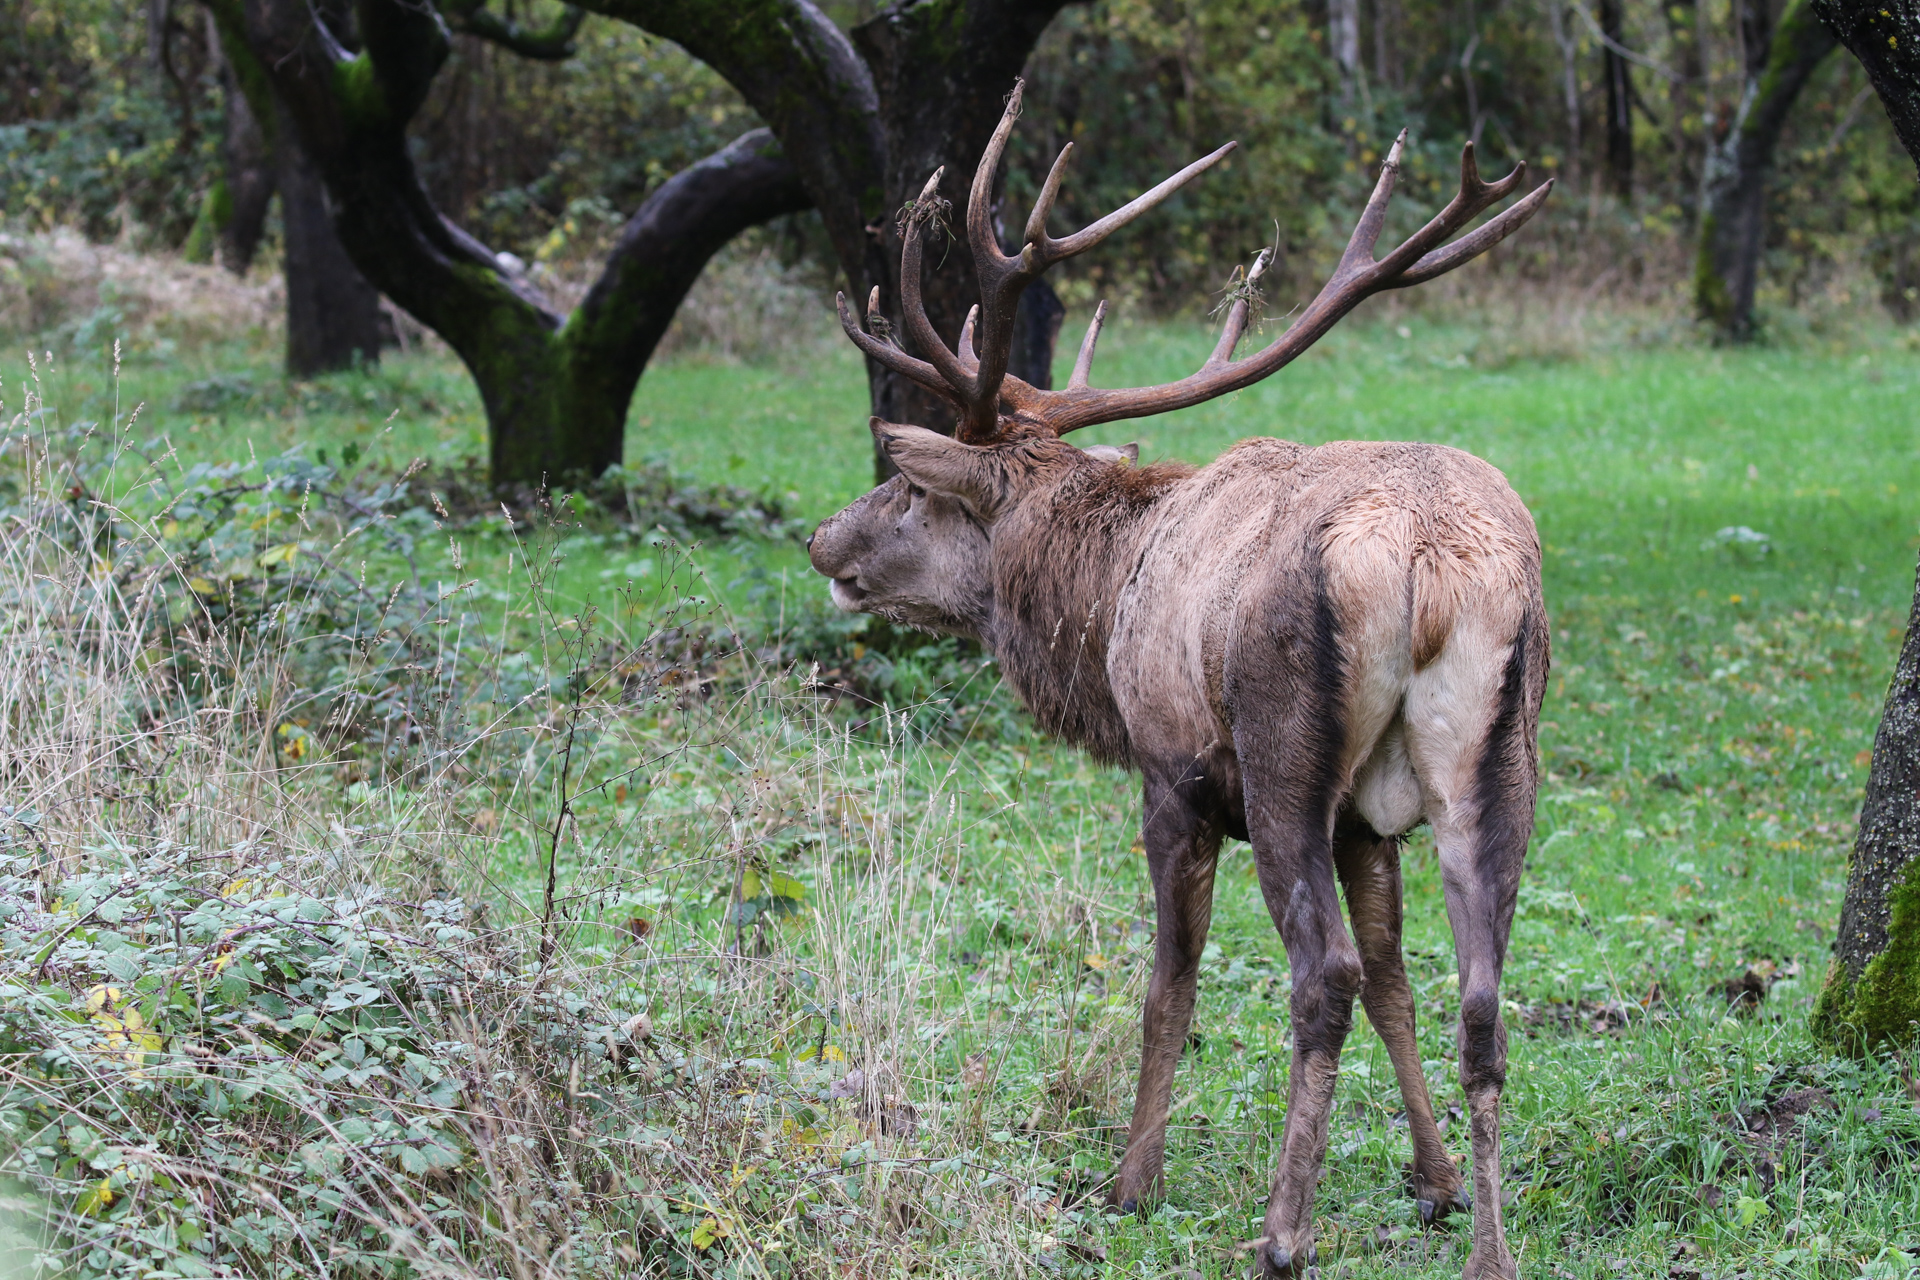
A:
x,y
333,314
248,152
555,388
1615,72
1343,35
865,121
233,215
1733,216
1568,39
1885,36
1872,995
1683,36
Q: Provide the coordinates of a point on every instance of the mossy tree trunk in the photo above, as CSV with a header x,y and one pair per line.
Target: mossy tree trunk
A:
x,y
865,119
233,215
1780,61
1872,996
555,387
333,314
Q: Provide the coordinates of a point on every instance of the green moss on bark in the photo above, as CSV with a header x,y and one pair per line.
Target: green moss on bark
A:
x,y
1882,1009
357,86
1712,300
216,211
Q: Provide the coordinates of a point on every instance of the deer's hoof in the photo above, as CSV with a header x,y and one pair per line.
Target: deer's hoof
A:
x,y
1279,1261
1124,1195
1436,1199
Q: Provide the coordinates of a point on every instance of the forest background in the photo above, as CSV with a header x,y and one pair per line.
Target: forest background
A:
x,y
112,119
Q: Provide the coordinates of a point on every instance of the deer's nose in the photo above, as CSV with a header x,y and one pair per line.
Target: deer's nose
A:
x,y
810,538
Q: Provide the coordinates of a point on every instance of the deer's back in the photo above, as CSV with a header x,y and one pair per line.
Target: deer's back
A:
x,y
1280,569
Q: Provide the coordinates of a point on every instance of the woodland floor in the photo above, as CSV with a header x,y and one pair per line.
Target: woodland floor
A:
x,y
1730,539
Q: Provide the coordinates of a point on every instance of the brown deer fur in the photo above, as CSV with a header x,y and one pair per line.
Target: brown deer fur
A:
x,y
1310,649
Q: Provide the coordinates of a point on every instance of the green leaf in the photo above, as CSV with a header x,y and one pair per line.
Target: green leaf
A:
x,y
1750,1210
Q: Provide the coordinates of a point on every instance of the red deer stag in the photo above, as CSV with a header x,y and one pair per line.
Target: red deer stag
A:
x,y
1313,650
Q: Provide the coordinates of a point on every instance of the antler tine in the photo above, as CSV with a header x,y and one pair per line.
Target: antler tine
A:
x,y
885,352
1366,232
1442,260
1049,192
1236,325
1003,279
913,308
1475,196
1043,251
1083,363
967,356
1421,256
980,236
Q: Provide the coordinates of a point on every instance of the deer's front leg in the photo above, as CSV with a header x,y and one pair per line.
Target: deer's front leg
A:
x,y
1183,843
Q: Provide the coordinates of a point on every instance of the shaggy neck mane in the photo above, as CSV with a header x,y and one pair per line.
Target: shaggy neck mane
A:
x,y
1059,564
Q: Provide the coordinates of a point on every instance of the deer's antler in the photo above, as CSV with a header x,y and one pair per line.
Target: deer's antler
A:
x,y
975,379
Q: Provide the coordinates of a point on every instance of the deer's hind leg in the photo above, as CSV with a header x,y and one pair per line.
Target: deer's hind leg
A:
x,y
1369,866
1291,786
1480,773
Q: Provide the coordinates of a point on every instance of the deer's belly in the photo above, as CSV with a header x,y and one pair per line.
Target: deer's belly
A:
x,y
1385,791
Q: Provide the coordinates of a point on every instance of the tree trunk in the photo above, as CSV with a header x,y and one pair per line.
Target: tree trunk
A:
x,y
1872,995
247,150
1683,36
233,214
1560,19
1733,216
333,314
1343,34
1885,36
865,122
1614,71
556,389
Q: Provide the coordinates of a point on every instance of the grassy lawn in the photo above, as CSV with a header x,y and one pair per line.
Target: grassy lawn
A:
x,y
1730,539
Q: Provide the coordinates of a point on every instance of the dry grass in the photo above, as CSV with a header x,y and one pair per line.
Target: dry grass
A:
x,y
558,966
59,283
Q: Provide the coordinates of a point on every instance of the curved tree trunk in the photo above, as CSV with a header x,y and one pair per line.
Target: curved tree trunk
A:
x,y
333,314
555,388
866,120
1872,996
250,180
233,216
1733,214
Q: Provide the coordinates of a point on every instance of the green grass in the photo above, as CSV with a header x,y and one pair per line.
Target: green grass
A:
x,y
1710,705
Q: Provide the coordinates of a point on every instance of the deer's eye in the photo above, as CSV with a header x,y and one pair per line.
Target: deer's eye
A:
x,y
915,492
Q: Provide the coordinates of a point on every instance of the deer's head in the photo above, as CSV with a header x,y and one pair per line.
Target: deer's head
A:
x,y
917,549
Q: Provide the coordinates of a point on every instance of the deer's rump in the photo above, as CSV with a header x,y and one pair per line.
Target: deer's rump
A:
x,y
1365,595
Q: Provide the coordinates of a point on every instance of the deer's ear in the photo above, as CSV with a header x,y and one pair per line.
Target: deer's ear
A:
x,y
940,463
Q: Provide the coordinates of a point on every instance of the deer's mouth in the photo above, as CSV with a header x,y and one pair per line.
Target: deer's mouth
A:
x,y
848,595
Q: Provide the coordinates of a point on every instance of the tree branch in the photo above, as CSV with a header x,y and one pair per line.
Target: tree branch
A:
x,y
662,251
551,43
